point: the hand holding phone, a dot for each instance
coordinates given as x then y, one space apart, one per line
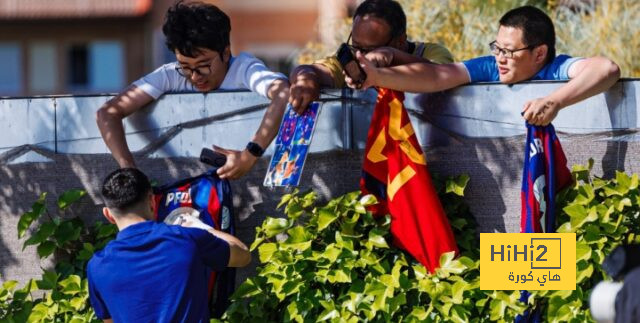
212 158
350 64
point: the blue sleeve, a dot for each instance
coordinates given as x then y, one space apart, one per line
213 251
482 69
96 299
561 66
558 69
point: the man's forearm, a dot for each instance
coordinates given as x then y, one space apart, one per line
597 76
421 77
316 72
268 129
112 131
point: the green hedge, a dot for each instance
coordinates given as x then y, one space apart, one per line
334 262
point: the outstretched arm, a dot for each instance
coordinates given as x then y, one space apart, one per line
412 77
240 162
109 118
306 81
588 76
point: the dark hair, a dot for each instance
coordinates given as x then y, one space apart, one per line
125 188
537 28
193 25
388 10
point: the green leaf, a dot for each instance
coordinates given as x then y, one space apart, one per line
368 200
43 233
71 285
258 240
326 216
457 185
49 280
497 308
9 285
37 210
39 313
583 251
582 274
338 276
285 199
633 183
576 211
457 291
46 248
376 238
266 251
248 288
274 226
449 266
419 313
68 230
298 234
331 253
69 197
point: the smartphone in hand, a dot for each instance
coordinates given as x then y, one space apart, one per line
350 64
212 158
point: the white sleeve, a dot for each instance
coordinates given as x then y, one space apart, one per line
255 75
162 80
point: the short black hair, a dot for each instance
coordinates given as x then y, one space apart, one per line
125 188
388 10
193 25
537 28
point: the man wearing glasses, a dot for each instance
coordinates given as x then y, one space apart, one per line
376 24
523 50
198 34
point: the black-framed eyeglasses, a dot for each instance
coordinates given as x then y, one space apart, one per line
508 53
365 50
203 70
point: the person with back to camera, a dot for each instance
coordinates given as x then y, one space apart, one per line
152 271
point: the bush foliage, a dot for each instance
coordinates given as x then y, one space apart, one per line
61 294
335 262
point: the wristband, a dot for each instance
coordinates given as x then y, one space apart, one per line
255 149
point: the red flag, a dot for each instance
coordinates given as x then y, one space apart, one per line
395 171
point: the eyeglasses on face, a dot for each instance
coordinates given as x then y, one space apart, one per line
507 53
365 50
202 70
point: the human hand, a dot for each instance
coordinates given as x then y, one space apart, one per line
238 163
370 70
190 221
381 57
540 111
305 89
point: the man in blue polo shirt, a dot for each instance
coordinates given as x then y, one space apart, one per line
524 49
154 272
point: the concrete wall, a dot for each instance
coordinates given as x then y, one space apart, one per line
52 144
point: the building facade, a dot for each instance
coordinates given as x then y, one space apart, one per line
99 46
